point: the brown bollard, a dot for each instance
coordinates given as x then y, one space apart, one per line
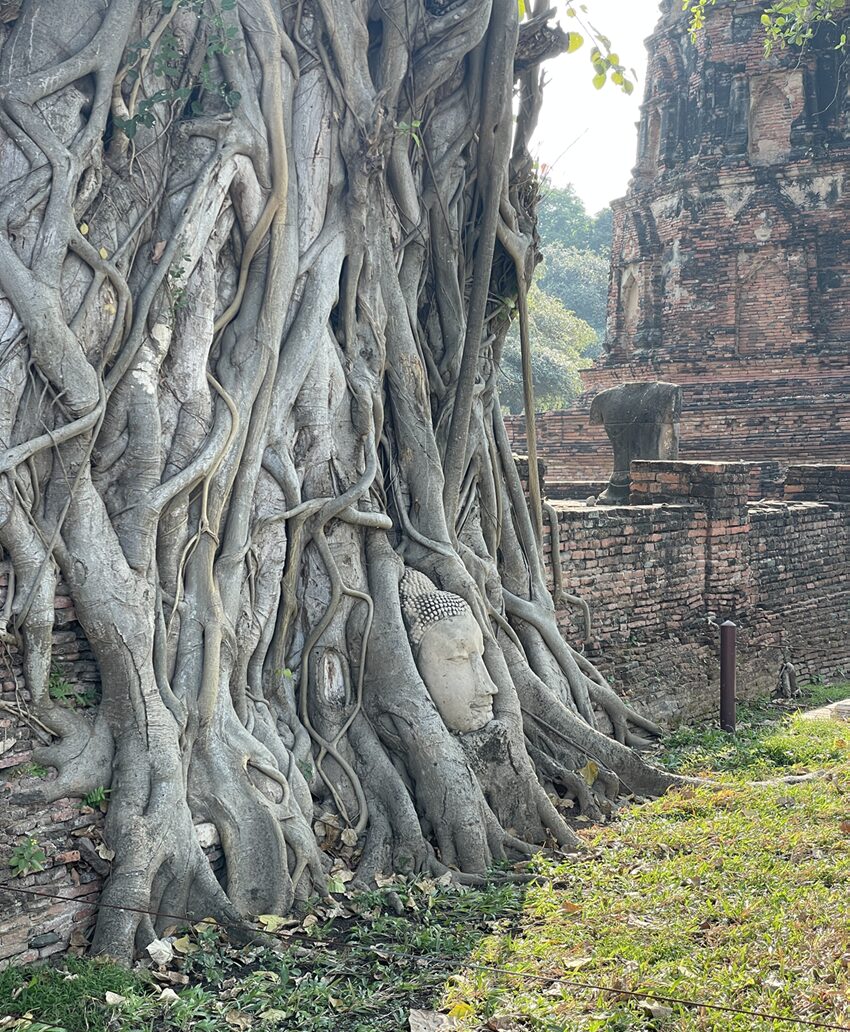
727 675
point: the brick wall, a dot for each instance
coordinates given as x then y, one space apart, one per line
34 927
693 544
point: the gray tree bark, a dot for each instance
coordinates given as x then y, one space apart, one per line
257 263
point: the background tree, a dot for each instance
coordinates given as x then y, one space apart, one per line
256 261
578 278
563 219
567 303
562 345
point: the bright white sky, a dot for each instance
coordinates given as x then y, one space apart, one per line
588 136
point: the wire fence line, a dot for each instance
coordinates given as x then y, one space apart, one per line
295 937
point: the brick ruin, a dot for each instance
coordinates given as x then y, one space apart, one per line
692 542
728 279
729 272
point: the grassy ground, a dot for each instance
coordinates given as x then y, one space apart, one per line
739 897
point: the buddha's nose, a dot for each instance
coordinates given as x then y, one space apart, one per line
489 685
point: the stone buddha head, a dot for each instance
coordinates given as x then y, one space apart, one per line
449 650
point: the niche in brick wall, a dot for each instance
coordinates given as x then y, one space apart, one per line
630 306
763 307
650 141
776 100
831 301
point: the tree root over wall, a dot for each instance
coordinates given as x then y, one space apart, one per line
257 262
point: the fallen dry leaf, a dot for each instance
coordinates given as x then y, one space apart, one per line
236 1019
430 1021
577 963
655 1010
160 951
185 945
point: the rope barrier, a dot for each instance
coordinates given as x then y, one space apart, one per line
493 969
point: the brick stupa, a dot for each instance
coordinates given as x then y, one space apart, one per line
730 270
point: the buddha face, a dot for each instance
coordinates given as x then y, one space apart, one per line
451 662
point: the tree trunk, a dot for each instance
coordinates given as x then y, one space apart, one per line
258 261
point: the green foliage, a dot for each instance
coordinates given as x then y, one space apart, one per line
97 798
560 347
67 694
579 280
177 282
794 22
567 303
26 858
71 998
606 63
786 22
168 60
29 770
411 129
762 745
564 220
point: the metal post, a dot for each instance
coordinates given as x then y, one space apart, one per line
727 675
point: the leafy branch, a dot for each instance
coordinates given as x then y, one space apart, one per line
167 61
606 62
786 22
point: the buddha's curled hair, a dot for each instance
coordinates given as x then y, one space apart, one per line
423 604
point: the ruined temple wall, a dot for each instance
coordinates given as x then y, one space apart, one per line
730 268
732 239
34 927
695 545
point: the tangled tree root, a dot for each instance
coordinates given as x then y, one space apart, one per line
257 264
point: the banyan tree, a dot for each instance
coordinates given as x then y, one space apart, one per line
257 261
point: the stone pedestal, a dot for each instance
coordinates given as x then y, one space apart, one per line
642 422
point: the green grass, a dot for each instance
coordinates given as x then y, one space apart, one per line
770 740
736 896
361 971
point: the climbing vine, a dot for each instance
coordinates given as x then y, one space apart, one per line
254 260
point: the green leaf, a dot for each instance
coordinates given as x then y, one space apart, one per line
574 41
599 80
521 5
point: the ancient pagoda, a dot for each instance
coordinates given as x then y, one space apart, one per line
730 271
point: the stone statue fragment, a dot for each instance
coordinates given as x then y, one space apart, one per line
642 422
448 647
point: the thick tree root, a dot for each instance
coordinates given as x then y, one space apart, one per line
250 378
